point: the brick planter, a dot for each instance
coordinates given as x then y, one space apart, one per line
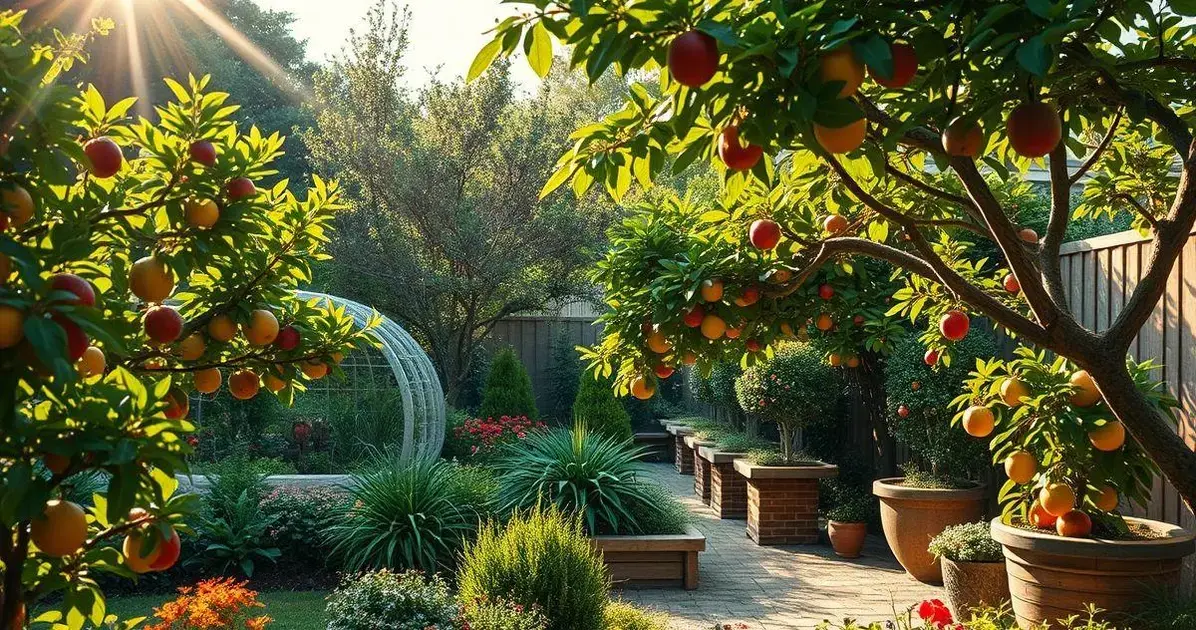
683 457
782 502
701 468
670 560
728 489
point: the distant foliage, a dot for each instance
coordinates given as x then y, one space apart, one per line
508 389
300 517
384 600
543 559
563 379
598 408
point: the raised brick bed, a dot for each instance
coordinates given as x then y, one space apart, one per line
668 561
683 457
701 468
658 444
728 488
782 502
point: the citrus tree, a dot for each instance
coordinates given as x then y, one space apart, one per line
895 126
139 262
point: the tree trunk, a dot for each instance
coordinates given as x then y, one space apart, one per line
869 380
1148 426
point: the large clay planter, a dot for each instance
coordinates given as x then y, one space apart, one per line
847 539
973 584
1052 577
912 516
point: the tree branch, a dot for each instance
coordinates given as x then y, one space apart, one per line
1100 149
1140 209
1057 225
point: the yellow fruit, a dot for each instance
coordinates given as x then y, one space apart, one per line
207 381
712 290
61 530
243 385
841 139
314 369
1108 437
92 362
1086 393
713 327
18 205
12 326
978 421
658 344
1106 500
202 213
221 328
1013 390
151 280
1020 467
133 558
262 328
274 384
642 388
192 347
1057 499
841 65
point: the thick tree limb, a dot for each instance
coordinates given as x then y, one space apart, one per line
1057 226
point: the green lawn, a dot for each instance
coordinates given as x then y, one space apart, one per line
291 610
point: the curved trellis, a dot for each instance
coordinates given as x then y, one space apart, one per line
423 409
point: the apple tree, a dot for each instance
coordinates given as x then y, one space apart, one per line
891 130
139 262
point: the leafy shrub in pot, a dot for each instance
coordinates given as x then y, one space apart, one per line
973 566
847 522
410 600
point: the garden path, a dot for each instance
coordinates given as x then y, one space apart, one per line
776 588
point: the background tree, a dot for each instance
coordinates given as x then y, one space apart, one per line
446 231
508 389
963 85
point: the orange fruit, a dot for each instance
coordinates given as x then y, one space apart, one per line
192 347
134 559
1086 393
207 381
202 213
18 205
262 328
274 384
1057 499
658 344
337 357
243 384
712 290
713 327
963 138
314 369
642 388
1020 467
56 463
834 224
834 360
12 326
151 280
221 328
841 65
841 139
61 530
92 362
852 361
978 421
1106 500
734 333
1108 437
1074 524
1041 518
1013 390
824 322
689 358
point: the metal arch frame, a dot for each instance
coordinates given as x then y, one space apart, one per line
419 387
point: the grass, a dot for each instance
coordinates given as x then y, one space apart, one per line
291 610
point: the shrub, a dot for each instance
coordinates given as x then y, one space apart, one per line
229 479
454 447
405 515
795 389
951 455
363 426
501 614
480 438
508 389
541 558
735 442
234 538
624 616
598 408
718 389
300 517
774 457
661 513
1167 611
213 603
563 378
384 600
580 472
968 542
852 507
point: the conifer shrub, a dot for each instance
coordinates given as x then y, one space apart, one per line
508 389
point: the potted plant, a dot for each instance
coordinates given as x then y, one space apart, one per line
847 524
793 390
941 491
973 567
1071 467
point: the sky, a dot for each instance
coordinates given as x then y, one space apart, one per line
444 33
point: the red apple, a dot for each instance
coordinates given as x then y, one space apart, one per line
693 317
663 371
163 324
931 357
693 58
178 403
858 320
752 345
1034 129
750 296
287 339
168 552
826 291
1011 284
84 294
905 66
240 188
103 156
903 411
736 155
76 339
764 233
204 152
954 325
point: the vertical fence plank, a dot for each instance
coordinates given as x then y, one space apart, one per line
1102 273
1187 373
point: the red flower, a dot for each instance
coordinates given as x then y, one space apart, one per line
935 613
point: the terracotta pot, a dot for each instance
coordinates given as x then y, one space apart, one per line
1052 577
847 539
912 516
973 584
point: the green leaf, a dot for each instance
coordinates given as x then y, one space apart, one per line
875 52
1035 56
1185 8
538 46
484 58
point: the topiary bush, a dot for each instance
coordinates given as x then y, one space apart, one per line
919 408
794 390
508 389
540 558
598 408
384 600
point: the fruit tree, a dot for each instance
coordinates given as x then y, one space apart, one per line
821 126
130 253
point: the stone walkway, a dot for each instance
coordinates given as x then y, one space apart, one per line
776 588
